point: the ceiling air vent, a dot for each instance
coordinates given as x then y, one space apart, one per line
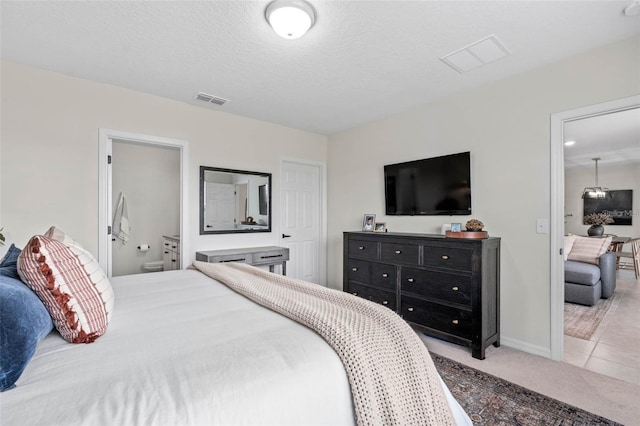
482 52
205 97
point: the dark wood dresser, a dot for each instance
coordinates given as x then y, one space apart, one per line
448 287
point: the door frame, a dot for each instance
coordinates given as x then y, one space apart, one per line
557 209
105 202
322 209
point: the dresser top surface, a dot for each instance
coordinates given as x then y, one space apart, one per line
242 250
412 235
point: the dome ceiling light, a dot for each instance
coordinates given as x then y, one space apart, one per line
290 19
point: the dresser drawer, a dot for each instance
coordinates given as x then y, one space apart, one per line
359 270
363 249
268 257
443 318
383 275
438 285
399 253
448 257
222 258
385 298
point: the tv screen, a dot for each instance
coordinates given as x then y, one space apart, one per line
432 186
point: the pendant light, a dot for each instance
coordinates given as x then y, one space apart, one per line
596 191
290 19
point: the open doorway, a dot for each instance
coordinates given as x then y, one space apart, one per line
560 123
146 209
109 198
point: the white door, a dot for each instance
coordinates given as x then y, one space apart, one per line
302 220
222 215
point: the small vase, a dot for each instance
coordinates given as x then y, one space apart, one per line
595 230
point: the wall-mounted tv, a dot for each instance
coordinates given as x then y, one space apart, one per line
619 206
432 186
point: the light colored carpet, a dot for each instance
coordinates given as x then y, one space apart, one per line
582 321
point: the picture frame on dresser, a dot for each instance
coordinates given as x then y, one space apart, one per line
368 222
380 227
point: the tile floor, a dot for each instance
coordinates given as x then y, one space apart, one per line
614 348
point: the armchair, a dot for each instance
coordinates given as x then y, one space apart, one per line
585 283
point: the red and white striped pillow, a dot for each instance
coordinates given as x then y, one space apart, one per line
70 283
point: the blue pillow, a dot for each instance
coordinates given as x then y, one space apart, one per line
24 321
9 264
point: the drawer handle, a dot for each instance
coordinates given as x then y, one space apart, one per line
355 293
385 275
455 321
360 247
410 280
354 269
398 251
445 257
454 288
410 309
385 302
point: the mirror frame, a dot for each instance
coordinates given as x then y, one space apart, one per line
204 169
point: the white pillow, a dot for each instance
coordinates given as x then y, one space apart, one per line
568 245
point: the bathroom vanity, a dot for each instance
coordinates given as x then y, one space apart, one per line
171 252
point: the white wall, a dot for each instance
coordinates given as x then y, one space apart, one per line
149 176
49 166
49 169
612 177
505 125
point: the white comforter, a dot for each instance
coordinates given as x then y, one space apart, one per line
184 349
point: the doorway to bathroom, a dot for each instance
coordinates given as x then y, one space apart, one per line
145 188
142 203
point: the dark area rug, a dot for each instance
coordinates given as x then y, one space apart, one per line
489 400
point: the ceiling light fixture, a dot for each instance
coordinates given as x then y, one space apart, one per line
290 19
569 143
596 191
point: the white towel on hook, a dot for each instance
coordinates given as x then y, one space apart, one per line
121 220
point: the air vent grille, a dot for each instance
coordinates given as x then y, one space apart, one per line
477 54
205 97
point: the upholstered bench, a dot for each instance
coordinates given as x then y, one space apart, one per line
589 271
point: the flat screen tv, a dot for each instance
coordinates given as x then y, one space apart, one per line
432 186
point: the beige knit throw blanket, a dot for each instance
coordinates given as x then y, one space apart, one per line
392 377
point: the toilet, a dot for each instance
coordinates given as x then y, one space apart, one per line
154 266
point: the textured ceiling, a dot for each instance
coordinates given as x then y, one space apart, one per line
614 138
362 60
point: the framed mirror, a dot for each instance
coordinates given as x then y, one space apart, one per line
234 201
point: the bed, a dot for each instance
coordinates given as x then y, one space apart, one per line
184 349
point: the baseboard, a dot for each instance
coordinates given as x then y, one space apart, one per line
526 347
